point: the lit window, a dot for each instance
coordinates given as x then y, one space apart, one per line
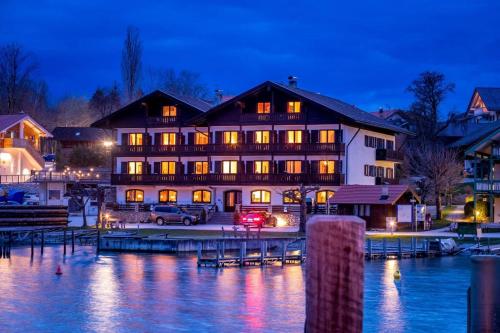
263 107
293 107
291 196
200 138
327 136
167 196
169 111
323 196
261 167
229 166
168 139
200 168
134 196
135 139
135 168
261 196
202 196
261 136
293 167
326 166
230 138
168 168
293 136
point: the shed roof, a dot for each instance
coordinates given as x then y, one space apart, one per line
80 134
370 194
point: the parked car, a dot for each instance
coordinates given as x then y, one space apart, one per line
258 219
171 214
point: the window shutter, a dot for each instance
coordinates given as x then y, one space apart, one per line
218 167
274 167
249 168
305 136
339 136
282 136
241 167
366 141
157 166
241 137
304 166
273 137
180 139
338 166
190 166
124 167
218 137
314 136
314 167
250 137
191 138
281 166
180 168
157 139
148 168
124 139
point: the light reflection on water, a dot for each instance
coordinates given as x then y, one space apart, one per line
162 293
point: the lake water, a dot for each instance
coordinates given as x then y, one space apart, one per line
162 293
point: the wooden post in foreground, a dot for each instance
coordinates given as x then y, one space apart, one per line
334 274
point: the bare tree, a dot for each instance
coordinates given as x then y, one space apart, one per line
17 87
299 195
429 90
184 83
131 62
439 169
73 111
105 101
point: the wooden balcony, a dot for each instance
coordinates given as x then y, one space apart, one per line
162 121
382 154
272 118
229 179
230 149
386 181
31 147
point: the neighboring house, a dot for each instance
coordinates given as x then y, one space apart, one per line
397 118
247 150
20 137
374 204
481 152
484 105
65 139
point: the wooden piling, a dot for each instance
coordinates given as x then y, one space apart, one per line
334 274
9 244
217 257
42 243
414 244
243 252
98 245
400 250
223 249
198 252
370 250
283 253
32 243
384 247
64 241
263 251
72 241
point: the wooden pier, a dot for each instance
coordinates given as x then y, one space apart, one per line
295 252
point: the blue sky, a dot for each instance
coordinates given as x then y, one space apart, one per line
363 52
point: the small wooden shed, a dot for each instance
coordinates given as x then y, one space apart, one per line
373 203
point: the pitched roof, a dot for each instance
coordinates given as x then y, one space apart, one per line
471 133
490 97
350 111
370 194
384 114
81 134
195 102
9 120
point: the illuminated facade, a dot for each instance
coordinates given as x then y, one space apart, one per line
247 150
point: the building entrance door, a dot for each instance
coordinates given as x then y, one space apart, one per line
231 199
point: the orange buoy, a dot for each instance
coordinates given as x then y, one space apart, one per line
58 270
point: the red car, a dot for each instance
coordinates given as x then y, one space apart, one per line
258 219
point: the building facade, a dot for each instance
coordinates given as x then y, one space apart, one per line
246 151
20 140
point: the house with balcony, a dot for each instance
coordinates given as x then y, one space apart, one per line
245 152
20 141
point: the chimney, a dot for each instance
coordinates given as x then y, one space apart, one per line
292 81
218 96
381 110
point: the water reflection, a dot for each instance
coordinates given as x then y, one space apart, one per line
161 293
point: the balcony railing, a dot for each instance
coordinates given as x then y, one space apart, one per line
246 118
30 146
230 149
229 179
487 186
382 154
162 121
386 181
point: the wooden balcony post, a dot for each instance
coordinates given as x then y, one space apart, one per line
334 274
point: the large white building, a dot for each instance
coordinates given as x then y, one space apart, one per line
248 150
